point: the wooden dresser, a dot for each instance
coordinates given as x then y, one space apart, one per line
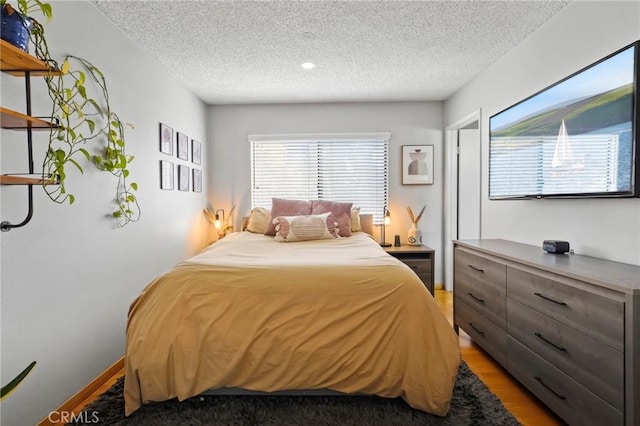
566 326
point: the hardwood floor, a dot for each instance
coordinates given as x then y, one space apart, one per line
522 404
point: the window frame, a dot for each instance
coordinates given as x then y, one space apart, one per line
383 137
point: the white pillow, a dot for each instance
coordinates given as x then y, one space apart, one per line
258 220
355 219
305 228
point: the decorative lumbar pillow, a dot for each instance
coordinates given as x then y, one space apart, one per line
356 226
342 212
283 207
305 228
258 220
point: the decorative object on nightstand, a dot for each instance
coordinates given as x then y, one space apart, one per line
414 236
387 222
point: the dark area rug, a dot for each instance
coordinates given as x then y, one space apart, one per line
472 404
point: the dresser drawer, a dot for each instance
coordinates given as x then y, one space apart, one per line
566 397
478 283
593 314
472 268
597 367
486 334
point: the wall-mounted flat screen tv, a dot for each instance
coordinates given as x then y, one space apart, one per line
576 138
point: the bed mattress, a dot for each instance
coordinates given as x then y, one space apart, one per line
252 313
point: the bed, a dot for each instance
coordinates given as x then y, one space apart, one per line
254 314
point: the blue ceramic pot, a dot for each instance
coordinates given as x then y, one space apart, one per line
15 27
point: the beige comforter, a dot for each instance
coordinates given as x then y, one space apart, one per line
252 313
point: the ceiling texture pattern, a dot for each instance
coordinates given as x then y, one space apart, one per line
247 52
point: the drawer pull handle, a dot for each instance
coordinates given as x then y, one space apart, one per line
560 348
476 298
539 379
550 299
475 268
412 266
476 328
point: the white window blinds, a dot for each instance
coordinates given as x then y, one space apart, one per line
343 168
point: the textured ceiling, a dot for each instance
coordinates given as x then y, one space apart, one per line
231 52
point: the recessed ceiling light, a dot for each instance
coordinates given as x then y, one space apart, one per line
308 65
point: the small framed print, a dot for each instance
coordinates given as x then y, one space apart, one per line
197 180
183 146
183 178
196 152
417 164
166 174
166 139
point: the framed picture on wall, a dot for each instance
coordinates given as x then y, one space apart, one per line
417 164
197 180
183 146
166 139
166 174
196 152
183 178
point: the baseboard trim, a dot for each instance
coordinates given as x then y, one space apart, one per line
84 393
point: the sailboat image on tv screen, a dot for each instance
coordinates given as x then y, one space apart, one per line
564 158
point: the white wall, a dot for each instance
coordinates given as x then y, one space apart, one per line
69 276
410 123
579 35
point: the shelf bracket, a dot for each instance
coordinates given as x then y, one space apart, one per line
7 226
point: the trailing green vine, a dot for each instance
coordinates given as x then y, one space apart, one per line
82 121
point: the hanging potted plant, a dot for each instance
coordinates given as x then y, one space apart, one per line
16 26
84 122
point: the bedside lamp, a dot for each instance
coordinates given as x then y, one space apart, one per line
217 222
387 222
217 218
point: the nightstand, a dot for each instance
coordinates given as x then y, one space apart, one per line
418 258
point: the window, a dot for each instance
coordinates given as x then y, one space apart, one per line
348 168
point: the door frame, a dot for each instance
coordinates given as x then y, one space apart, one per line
451 189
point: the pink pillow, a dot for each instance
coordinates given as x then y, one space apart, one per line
282 207
342 212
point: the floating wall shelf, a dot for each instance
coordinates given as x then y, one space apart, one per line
26 180
15 120
21 64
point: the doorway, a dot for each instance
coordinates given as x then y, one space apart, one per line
463 173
